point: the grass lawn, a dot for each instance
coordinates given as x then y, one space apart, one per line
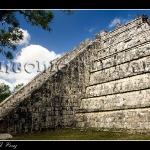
77 134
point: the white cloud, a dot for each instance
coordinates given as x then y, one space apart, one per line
7 83
118 20
114 22
124 21
91 30
28 64
26 38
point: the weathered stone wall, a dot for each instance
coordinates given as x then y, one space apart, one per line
51 99
102 84
118 94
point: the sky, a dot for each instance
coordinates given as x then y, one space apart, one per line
39 47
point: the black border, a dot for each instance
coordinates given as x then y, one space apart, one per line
75 5
64 145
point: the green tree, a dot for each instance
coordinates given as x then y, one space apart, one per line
17 87
10 33
4 91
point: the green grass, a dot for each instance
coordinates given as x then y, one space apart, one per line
76 134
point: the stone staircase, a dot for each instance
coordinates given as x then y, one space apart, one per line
13 100
102 84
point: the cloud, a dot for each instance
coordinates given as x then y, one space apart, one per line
118 20
32 60
91 30
26 38
7 83
114 22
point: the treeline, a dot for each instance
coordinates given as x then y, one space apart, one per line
6 92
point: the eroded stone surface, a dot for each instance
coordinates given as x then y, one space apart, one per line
103 83
5 136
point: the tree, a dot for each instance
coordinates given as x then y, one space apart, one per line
10 33
17 87
4 91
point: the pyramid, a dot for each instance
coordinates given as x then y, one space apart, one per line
102 84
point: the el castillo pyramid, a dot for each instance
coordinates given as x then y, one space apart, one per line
102 84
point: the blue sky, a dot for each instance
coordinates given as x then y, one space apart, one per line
67 32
